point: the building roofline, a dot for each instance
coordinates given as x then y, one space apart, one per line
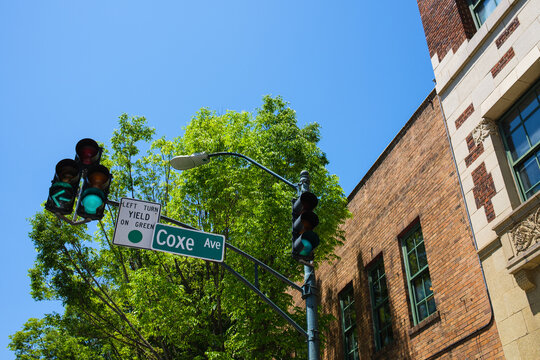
393 143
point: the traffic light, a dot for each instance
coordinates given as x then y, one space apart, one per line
97 180
94 192
304 239
87 153
63 190
67 176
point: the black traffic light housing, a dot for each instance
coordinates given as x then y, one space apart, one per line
65 185
95 188
87 153
94 193
304 220
96 180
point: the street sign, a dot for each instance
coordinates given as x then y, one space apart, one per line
135 223
192 243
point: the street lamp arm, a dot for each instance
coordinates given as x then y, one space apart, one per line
295 187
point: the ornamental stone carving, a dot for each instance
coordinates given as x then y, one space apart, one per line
527 232
485 128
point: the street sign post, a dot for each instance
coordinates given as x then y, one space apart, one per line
135 223
192 243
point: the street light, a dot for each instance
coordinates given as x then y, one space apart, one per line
184 162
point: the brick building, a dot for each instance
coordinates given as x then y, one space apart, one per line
486 59
408 283
442 253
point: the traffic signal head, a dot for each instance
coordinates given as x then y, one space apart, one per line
304 239
63 190
94 193
88 153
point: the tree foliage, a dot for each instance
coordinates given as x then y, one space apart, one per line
123 303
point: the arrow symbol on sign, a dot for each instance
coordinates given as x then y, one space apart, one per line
57 197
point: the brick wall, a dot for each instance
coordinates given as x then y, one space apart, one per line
414 179
447 23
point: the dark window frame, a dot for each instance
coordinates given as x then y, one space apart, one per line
516 163
349 327
376 278
420 297
474 6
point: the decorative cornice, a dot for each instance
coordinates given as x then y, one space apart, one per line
485 128
526 232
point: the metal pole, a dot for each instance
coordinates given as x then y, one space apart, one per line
256 164
310 293
266 299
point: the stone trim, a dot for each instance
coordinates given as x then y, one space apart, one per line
521 212
485 252
495 70
507 32
520 232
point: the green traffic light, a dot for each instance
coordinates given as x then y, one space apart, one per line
307 248
91 203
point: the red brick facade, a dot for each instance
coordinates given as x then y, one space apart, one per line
414 180
474 150
447 23
464 116
507 32
484 190
497 68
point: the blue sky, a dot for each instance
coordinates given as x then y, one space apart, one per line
68 69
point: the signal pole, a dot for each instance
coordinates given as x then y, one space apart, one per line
309 292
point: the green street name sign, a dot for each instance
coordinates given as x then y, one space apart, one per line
192 243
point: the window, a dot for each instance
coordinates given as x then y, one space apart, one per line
417 271
380 305
521 135
348 321
481 9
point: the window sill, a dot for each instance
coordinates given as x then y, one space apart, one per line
427 322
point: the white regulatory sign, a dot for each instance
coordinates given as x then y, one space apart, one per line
135 223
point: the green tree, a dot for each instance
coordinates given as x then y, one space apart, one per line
123 303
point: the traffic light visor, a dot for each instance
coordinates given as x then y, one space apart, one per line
99 177
305 222
306 202
67 171
88 152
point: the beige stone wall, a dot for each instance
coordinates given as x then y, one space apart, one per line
517 314
477 84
